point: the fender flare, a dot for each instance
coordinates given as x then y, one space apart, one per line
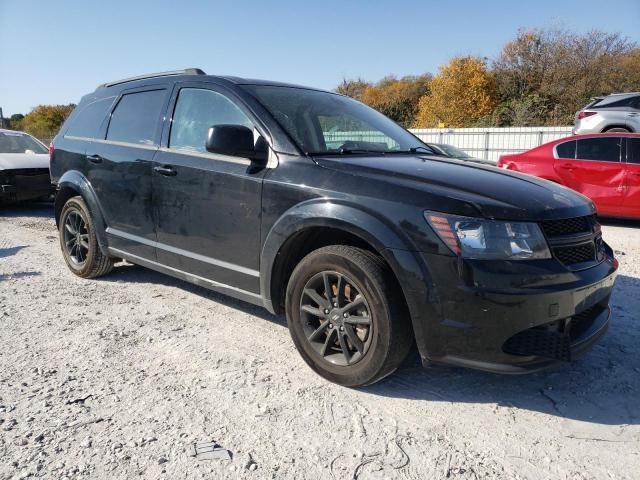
76 181
323 213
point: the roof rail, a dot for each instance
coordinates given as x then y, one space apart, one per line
186 71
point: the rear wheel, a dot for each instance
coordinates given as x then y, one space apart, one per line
79 243
617 130
347 316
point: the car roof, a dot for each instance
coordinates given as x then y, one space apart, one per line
193 74
621 94
592 135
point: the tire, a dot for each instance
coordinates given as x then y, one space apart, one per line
79 243
364 288
616 130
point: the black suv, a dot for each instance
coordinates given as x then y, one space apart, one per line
314 205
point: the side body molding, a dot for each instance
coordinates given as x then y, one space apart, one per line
78 182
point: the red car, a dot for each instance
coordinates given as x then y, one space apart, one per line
605 167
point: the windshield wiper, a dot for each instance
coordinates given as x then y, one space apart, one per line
348 151
415 150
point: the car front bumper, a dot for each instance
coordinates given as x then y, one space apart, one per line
509 317
16 186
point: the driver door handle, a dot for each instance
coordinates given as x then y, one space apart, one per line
165 170
94 158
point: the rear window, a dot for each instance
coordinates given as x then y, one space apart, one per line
566 150
19 143
135 118
87 122
616 102
606 149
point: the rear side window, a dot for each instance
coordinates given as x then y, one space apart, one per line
633 149
566 150
196 111
606 149
87 122
616 102
135 118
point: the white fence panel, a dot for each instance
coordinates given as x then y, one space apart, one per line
490 143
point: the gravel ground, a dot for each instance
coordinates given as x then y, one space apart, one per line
119 377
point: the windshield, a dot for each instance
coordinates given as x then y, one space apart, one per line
17 142
452 151
324 123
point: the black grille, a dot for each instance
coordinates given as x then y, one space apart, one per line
572 254
581 322
540 343
552 340
574 241
568 226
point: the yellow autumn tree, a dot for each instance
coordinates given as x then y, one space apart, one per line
461 93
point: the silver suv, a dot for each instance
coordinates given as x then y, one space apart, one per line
618 112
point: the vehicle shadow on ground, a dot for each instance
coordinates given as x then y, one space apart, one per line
619 222
600 387
136 274
27 209
11 251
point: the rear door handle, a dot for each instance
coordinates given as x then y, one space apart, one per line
94 158
632 114
166 171
567 166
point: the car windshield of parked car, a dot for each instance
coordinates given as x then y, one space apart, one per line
453 151
323 123
19 143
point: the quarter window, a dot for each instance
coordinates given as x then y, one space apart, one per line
135 119
566 150
606 149
633 149
89 119
196 111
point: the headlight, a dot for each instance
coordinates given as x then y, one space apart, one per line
480 238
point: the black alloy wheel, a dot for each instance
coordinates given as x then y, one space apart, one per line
336 318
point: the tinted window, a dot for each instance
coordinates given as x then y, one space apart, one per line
327 123
19 143
566 150
633 147
87 122
616 102
605 149
196 111
135 119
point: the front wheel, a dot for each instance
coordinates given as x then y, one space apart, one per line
347 315
79 243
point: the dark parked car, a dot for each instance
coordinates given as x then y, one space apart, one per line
24 168
450 151
367 245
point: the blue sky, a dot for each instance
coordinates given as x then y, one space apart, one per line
56 51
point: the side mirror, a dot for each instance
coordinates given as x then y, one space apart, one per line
237 140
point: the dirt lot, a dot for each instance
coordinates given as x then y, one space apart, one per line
118 377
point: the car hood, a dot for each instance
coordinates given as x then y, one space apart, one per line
454 185
12 161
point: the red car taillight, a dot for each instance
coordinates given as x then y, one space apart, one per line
584 114
51 150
